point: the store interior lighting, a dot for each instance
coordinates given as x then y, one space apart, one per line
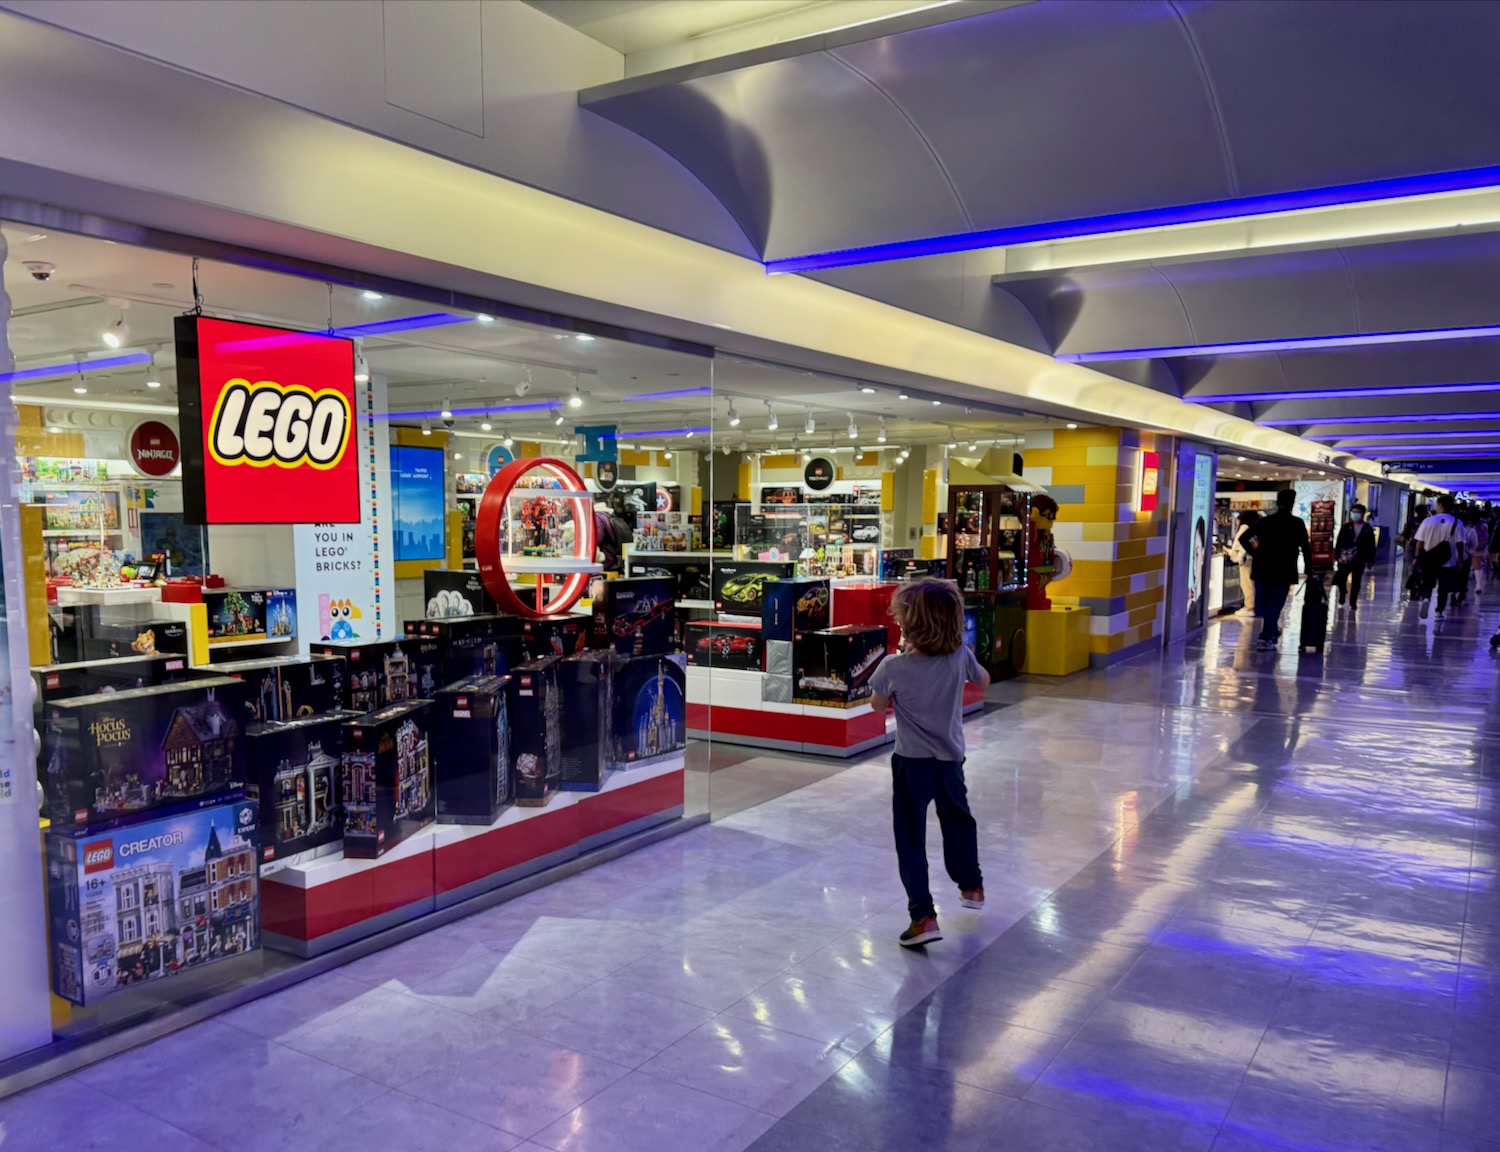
811 425
117 334
576 400
772 423
734 417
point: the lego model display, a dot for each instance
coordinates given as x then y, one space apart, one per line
288 687
294 780
151 901
691 574
91 677
536 736
636 616
792 608
381 672
739 585
238 614
650 710
121 755
473 645
724 645
555 636
471 750
387 778
586 684
455 592
834 666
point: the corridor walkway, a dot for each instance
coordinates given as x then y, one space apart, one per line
1237 901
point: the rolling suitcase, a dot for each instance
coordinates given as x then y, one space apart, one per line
1314 615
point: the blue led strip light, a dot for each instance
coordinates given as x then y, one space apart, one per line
1341 393
72 367
1291 344
1345 418
1390 189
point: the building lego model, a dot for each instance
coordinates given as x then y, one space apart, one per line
471 750
834 666
536 736
650 710
586 683
387 778
288 687
152 900
473 645
739 585
294 779
636 616
794 607
117 756
714 645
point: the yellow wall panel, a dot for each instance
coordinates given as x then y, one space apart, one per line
695 501
744 482
888 491
635 458
929 496
1085 437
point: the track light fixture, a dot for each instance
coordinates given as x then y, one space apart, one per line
881 435
734 417
116 334
811 426
771 422
853 428
559 418
426 428
575 400
506 439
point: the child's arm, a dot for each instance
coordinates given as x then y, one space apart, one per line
879 703
976 674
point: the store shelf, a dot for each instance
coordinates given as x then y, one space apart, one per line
249 642
548 565
695 604
71 597
553 493
53 533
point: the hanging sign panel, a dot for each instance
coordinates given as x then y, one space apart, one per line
267 419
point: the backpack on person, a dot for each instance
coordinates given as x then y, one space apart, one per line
1439 554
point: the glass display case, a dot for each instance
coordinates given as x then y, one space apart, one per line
988 555
824 539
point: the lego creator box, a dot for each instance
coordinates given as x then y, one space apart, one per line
739 585
381 672
456 592
586 682
387 778
155 899
289 687
536 732
723 645
146 638
474 646
555 636
650 710
235 614
792 608
121 755
834 666
294 780
636 616
691 574
471 758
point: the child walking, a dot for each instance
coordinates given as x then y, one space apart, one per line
926 682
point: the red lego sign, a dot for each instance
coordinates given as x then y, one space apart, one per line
1150 480
268 418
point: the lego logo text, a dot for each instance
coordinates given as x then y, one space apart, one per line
99 857
266 423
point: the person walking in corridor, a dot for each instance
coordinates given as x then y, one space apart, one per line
1275 542
925 681
1355 551
1439 548
1241 558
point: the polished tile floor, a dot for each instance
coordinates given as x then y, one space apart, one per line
1237 901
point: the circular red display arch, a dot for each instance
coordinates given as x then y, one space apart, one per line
487 537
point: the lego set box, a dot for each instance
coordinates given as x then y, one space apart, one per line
471 760
636 616
91 677
381 672
456 592
867 604
834 666
387 778
288 687
555 636
294 781
236 614
473 645
120 755
153 900
713 645
586 682
536 732
739 585
147 638
650 710
792 608
691 574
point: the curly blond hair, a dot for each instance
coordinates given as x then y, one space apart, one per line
930 612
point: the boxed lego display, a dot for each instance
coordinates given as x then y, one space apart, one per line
455 592
536 737
636 616
867 604
555 636
473 645
834 666
114 641
793 607
235 614
294 780
381 672
723 645
152 900
739 585
650 710
121 755
691 574
387 778
90 677
471 757
281 613
286 687
585 684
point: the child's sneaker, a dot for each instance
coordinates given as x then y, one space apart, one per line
921 932
971 897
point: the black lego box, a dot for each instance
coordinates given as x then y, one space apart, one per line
792 608
471 757
153 900
474 646
586 682
636 616
91 677
739 585
381 672
287 687
146 638
294 781
456 592
536 733
121 755
692 574
724 645
834 666
555 636
387 778
650 710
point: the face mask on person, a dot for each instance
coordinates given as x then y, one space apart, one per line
1356 516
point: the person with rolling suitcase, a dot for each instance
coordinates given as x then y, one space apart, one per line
1275 542
1314 614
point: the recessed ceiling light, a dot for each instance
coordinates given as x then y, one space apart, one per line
867 390
1071 425
483 319
584 338
372 295
1241 459
935 403
79 390
903 396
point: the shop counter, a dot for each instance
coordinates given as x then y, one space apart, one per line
1057 641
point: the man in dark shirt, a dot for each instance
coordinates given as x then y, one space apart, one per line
1275 542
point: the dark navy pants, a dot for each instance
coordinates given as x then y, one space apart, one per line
916 783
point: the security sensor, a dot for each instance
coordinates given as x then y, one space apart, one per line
39 269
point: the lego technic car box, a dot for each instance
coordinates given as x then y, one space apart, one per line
155 899
691 574
288 687
555 636
536 733
834 666
456 592
474 645
739 585
294 780
386 778
711 645
135 638
121 755
636 616
792 608
585 683
471 757
381 672
650 710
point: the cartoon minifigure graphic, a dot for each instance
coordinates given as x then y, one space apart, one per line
342 612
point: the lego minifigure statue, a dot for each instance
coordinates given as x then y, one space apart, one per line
1039 552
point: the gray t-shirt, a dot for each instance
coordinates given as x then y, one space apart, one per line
929 696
